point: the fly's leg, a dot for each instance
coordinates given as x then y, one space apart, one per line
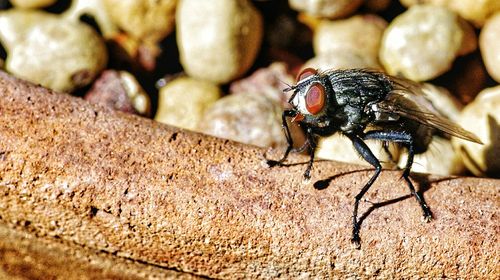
289 140
406 176
311 141
367 155
385 145
407 140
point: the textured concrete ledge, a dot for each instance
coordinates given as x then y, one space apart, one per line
79 174
23 255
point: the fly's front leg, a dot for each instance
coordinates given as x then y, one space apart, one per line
407 140
311 141
289 140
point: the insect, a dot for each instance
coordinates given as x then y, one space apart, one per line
365 104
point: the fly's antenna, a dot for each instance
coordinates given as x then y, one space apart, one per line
288 88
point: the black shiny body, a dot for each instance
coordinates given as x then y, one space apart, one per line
350 94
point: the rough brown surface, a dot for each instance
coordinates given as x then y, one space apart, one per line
24 256
102 180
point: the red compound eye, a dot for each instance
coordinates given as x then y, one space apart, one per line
306 73
315 98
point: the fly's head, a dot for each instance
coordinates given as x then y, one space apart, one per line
310 97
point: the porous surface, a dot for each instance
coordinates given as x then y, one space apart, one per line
77 174
23 255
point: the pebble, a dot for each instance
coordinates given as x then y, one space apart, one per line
489 43
342 59
423 42
56 53
119 90
339 148
360 34
219 39
147 20
326 8
472 10
482 117
96 10
247 118
31 4
16 23
183 101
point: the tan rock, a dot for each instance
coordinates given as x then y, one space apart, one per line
423 42
250 118
27 4
16 23
360 34
472 10
219 39
148 20
26 256
58 54
342 59
482 117
340 148
326 8
183 101
489 42
96 10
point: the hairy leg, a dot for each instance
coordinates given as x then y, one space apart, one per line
406 139
367 154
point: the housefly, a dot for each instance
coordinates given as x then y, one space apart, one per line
365 104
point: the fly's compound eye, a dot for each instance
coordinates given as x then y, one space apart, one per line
315 98
306 73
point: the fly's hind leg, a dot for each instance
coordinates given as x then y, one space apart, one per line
385 145
406 176
367 154
407 140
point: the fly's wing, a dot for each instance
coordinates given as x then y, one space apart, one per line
407 100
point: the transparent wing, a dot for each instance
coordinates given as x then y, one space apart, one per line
408 100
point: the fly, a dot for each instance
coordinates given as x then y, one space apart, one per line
365 104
